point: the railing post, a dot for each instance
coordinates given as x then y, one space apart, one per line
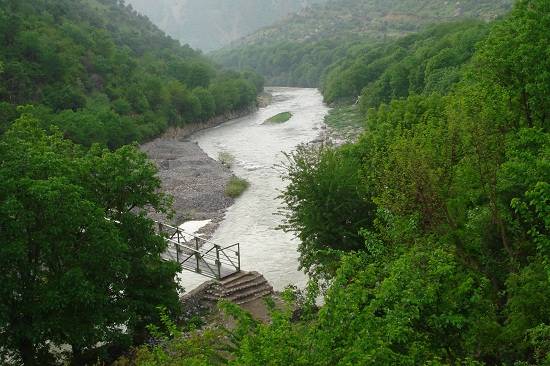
160 228
197 254
218 263
238 257
177 253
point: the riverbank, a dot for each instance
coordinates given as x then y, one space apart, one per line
196 182
184 132
344 124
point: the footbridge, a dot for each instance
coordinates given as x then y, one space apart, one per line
199 255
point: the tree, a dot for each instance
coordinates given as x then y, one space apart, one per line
69 272
515 57
123 182
208 105
8 113
325 205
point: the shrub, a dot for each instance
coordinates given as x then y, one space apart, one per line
235 187
226 159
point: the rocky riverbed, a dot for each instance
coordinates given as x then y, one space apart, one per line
196 181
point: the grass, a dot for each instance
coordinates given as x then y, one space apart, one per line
226 159
235 187
346 122
279 118
344 117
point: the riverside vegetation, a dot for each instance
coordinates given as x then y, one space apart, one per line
104 74
236 186
429 236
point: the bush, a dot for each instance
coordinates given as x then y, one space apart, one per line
226 159
235 187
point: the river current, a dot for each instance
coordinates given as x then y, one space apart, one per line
258 150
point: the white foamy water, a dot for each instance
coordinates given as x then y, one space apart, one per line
257 149
191 227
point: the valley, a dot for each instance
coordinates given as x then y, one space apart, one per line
366 182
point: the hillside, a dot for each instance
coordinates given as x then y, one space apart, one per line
211 24
102 73
297 51
423 63
373 18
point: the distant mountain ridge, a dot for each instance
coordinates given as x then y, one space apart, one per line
372 18
299 50
212 24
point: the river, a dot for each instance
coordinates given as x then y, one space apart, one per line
258 148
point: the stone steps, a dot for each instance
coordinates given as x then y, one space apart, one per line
250 295
228 281
239 288
256 282
259 295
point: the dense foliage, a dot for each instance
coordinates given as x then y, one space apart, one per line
298 51
432 231
286 63
105 74
81 263
424 63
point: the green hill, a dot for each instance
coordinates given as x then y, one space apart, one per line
423 63
103 73
297 51
373 18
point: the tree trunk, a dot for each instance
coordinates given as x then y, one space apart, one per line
77 356
27 352
526 108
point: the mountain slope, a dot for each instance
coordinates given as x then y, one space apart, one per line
373 18
102 73
211 24
299 50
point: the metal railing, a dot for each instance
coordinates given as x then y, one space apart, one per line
199 255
